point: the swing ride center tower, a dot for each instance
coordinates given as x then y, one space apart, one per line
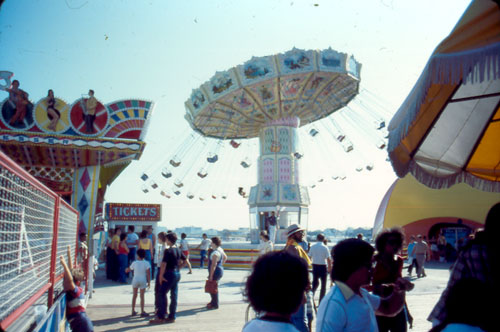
270 97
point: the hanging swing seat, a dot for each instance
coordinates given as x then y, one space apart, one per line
144 177
175 163
154 185
190 196
201 198
335 177
214 197
340 137
359 168
313 186
163 193
213 159
298 155
313 132
320 180
234 144
348 147
369 167
166 173
380 124
381 144
224 196
202 174
177 192
178 184
145 190
245 164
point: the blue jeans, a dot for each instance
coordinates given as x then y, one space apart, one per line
173 277
80 322
123 263
299 319
203 254
218 273
148 259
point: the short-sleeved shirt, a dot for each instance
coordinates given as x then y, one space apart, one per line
343 310
131 239
271 220
205 244
75 301
140 268
115 241
217 252
265 247
172 257
184 245
319 253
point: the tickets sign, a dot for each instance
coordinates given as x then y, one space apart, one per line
133 212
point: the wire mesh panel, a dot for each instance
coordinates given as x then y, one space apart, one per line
26 229
67 229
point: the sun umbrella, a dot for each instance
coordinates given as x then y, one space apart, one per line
448 129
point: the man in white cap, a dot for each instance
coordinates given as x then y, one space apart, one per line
295 235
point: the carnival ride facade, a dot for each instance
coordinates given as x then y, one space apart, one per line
273 99
81 153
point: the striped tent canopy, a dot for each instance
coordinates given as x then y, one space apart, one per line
447 130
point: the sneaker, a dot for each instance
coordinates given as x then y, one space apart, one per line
134 313
169 320
190 272
157 321
144 314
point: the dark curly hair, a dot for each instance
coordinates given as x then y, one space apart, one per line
392 234
348 256
277 283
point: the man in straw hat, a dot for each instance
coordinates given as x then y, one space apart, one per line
295 235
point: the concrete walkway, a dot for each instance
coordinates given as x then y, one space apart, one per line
110 308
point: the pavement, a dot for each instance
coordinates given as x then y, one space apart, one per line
110 305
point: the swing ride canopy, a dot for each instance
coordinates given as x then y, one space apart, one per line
238 102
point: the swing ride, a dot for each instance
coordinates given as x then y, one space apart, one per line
262 107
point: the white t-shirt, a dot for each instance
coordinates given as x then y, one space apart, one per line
259 325
140 269
205 244
265 247
347 313
184 245
160 250
217 252
319 253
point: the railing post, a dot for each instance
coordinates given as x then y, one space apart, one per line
53 254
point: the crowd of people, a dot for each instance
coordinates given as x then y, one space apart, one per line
368 288
159 259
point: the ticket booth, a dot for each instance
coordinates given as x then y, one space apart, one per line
142 216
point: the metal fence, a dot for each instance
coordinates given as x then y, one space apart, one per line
36 226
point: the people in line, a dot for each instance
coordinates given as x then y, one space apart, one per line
421 253
115 244
348 306
203 246
109 255
295 235
412 260
388 269
478 260
321 265
217 258
173 261
123 258
160 251
146 244
152 237
132 242
141 279
185 250
275 289
75 297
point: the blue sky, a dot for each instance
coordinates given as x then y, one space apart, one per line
161 50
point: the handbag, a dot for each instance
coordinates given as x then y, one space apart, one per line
211 286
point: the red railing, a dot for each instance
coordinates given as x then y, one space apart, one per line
36 226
